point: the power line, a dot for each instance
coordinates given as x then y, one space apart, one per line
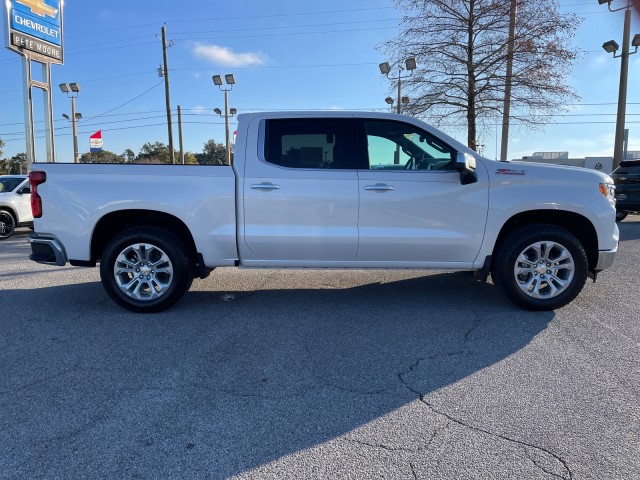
224 19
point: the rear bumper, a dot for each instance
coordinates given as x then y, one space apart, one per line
47 249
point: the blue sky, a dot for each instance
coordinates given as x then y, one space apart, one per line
285 54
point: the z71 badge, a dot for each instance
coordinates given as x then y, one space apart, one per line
508 171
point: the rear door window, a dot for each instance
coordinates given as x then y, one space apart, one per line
310 143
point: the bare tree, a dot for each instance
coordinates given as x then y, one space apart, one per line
461 46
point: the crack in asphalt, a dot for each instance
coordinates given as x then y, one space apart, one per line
484 431
413 471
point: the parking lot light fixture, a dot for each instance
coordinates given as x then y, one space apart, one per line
385 68
410 63
217 80
611 46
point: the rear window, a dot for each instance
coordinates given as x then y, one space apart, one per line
309 143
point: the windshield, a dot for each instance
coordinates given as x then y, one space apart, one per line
10 183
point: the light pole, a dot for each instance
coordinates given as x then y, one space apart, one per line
72 90
612 47
385 69
230 80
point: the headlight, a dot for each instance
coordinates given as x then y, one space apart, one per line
608 190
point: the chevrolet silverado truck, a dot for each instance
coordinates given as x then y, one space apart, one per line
328 190
15 204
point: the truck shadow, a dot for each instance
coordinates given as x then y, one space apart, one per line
236 379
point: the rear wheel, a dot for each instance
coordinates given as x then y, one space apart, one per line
540 267
7 224
620 215
146 269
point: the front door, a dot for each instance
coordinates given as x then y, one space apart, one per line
413 207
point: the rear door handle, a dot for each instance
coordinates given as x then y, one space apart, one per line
265 186
380 187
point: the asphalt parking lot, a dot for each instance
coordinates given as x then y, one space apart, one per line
318 374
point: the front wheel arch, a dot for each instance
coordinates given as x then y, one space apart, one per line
580 226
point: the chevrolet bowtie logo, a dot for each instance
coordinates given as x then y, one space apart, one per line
39 8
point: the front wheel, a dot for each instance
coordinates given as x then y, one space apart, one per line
540 267
7 224
146 269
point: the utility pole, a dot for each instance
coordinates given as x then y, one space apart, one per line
166 90
180 134
506 111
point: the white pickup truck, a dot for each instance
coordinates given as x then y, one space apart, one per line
328 190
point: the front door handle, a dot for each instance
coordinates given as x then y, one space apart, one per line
265 186
380 187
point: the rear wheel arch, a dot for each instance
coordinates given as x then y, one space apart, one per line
114 223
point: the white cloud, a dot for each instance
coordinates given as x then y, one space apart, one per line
225 57
199 110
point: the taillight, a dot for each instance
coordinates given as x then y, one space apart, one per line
35 179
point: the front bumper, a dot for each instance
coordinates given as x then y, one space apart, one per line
605 259
47 249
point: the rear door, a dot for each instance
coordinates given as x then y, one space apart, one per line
301 193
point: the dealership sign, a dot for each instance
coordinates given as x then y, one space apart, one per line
34 28
96 142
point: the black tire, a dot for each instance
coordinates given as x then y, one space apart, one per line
138 253
7 224
621 215
547 282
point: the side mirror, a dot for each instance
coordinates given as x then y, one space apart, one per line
466 165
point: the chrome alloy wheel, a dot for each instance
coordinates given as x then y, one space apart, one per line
544 269
143 271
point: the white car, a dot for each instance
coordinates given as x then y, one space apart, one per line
15 204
